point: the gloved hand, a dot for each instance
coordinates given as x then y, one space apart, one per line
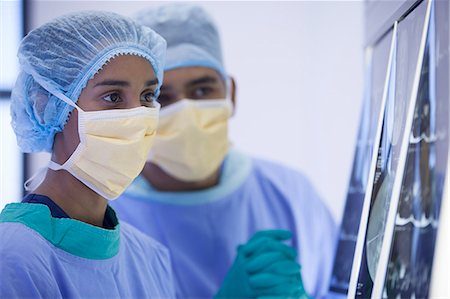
264 268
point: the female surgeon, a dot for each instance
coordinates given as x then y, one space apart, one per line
86 94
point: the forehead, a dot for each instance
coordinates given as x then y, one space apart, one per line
127 67
181 77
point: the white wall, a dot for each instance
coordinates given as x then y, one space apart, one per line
298 66
10 156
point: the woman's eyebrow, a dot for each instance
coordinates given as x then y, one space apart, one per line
123 83
112 83
151 82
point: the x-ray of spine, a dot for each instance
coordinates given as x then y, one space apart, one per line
416 223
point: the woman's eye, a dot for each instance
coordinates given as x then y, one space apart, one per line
112 98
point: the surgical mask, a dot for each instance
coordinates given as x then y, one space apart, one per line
192 138
113 148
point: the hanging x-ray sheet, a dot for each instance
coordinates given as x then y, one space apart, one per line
377 64
359 249
399 91
417 217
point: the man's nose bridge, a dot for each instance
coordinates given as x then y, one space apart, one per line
180 94
179 97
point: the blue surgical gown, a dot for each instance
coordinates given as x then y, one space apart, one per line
46 257
203 228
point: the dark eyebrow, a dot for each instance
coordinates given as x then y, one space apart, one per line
123 83
112 83
202 80
151 82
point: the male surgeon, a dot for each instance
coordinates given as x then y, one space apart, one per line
233 224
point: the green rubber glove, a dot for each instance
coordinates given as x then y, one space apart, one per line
264 267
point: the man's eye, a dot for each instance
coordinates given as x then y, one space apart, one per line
112 98
201 92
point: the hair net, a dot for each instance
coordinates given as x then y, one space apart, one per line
191 35
61 57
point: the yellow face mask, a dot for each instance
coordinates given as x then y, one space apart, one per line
192 138
114 146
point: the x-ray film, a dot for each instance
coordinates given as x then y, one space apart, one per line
375 77
387 91
417 218
392 143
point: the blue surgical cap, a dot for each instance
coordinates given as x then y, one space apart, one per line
191 35
61 56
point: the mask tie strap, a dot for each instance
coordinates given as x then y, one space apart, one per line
55 92
65 99
54 166
35 180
